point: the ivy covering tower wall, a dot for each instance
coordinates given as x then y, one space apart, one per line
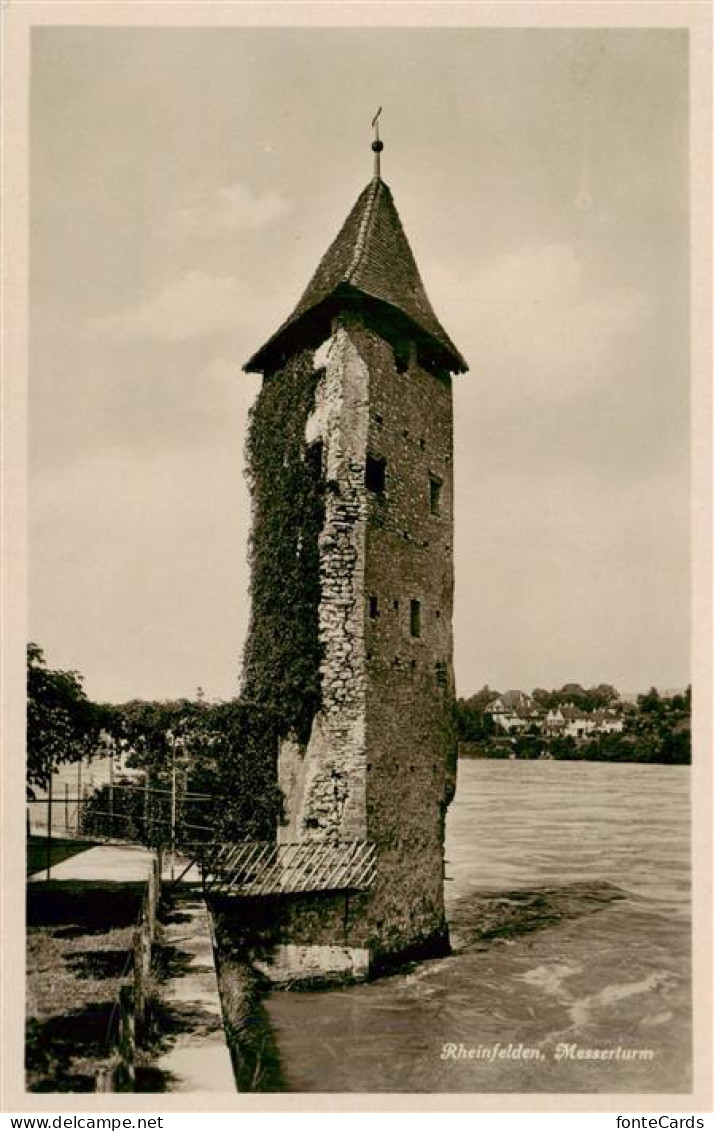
281 668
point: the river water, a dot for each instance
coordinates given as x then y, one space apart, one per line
568 902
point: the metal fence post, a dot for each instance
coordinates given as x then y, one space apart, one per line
49 827
79 795
127 1035
173 808
111 796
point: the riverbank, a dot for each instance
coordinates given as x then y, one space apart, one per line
122 993
614 748
79 955
251 1041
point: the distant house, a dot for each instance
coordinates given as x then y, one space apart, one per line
554 723
515 712
609 722
578 724
571 722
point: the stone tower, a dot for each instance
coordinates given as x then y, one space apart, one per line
380 762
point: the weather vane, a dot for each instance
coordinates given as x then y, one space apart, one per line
377 145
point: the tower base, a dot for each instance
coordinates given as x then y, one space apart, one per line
313 966
321 939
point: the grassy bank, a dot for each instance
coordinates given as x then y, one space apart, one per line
36 856
79 952
251 1041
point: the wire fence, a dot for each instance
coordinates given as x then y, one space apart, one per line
159 817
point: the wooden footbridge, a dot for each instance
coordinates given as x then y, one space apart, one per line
265 868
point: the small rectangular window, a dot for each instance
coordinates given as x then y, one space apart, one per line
415 617
402 355
373 608
313 458
375 474
435 485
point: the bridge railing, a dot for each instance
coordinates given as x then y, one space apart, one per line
263 868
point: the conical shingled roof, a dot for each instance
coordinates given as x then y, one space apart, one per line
369 263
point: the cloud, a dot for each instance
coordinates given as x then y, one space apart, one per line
540 325
192 306
230 208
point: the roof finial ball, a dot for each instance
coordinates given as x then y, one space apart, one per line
377 145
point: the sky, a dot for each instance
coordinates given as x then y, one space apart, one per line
184 184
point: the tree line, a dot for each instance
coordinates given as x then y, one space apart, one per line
224 751
228 751
657 728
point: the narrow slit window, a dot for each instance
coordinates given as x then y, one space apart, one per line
375 475
402 351
415 617
373 608
313 458
435 486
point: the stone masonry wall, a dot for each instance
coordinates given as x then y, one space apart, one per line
381 762
411 748
324 784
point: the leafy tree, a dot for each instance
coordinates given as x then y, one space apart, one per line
236 756
543 698
528 747
573 693
226 753
563 748
663 726
677 746
62 723
154 730
651 703
603 695
472 723
469 721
